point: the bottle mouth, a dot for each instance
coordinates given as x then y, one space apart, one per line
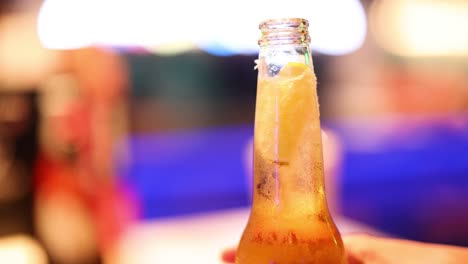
284 31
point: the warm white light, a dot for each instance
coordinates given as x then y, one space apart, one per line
21 249
65 24
71 24
421 28
337 26
23 61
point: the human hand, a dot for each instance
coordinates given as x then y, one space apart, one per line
365 249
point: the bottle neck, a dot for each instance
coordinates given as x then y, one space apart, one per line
288 160
283 41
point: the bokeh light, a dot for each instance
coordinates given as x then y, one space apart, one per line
338 27
421 28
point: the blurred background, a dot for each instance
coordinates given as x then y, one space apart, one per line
117 115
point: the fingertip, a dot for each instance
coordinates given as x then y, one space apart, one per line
229 256
354 260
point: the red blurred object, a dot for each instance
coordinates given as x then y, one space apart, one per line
113 207
81 169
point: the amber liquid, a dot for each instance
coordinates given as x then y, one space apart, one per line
289 222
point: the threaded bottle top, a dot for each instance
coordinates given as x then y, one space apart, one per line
284 31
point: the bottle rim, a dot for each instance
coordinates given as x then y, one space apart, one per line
284 31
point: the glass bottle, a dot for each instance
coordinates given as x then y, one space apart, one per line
289 221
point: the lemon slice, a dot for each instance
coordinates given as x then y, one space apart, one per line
285 106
